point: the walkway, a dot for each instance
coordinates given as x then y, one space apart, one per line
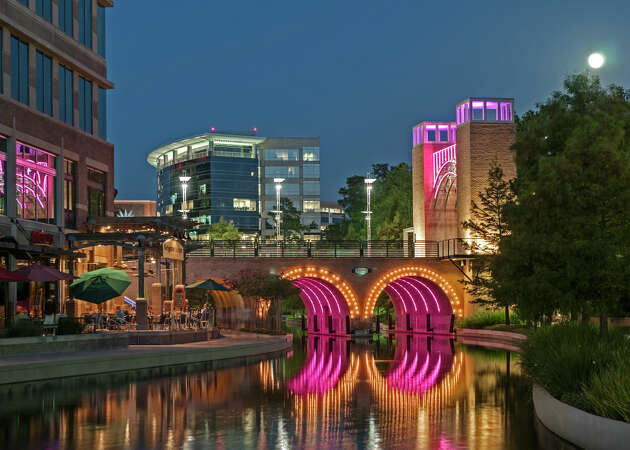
234 346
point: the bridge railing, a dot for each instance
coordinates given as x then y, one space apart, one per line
316 249
462 248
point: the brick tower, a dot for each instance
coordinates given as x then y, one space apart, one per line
450 162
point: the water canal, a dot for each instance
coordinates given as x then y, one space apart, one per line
326 393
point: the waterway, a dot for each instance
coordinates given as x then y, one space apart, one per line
410 392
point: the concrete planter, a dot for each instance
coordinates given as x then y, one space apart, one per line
579 427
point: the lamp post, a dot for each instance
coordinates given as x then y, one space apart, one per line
184 180
369 182
278 210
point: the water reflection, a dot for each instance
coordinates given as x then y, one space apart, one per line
428 393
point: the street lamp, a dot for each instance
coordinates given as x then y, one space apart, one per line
184 180
369 182
278 211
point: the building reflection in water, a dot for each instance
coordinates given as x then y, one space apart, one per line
430 394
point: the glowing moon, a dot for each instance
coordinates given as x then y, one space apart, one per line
596 60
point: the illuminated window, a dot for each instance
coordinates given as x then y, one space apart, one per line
244 204
491 111
282 172
281 155
311 206
310 154
35 184
477 111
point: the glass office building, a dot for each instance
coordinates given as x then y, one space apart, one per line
231 177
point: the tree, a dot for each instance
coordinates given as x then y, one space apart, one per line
291 222
224 231
569 245
488 226
392 201
264 286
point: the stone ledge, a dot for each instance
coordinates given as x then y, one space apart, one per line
579 427
489 338
62 343
141 357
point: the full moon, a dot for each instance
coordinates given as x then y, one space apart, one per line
596 60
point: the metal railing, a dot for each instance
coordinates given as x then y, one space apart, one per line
316 249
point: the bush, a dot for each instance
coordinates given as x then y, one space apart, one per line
69 325
578 367
484 319
25 328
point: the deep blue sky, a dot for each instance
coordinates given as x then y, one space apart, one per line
358 74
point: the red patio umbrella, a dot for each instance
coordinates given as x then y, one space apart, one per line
7 275
38 272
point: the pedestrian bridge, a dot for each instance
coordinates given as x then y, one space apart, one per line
340 282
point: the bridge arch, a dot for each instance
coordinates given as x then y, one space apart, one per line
422 299
329 300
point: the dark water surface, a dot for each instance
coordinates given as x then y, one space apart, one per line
327 393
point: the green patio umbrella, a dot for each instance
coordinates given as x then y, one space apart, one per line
100 285
209 285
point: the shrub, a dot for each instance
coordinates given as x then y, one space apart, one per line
69 325
25 328
578 367
484 319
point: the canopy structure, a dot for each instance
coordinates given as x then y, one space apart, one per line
38 272
7 275
100 285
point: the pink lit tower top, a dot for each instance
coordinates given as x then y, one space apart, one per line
450 162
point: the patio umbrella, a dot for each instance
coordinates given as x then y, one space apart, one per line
38 272
7 275
100 285
208 285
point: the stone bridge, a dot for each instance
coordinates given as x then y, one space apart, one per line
340 293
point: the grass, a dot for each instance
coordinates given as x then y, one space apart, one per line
485 319
578 367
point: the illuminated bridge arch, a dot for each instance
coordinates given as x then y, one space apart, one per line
423 300
330 302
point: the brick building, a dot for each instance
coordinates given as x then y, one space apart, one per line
450 162
56 165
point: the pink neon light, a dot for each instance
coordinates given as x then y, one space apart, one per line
314 294
428 288
398 296
323 369
443 127
430 127
396 282
439 183
477 105
323 296
415 288
295 283
335 296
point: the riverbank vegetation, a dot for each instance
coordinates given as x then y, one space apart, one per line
577 366
486 319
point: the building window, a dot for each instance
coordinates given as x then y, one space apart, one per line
477 111
102 113
430 135
66 105
282 155
311 187
100 30
97 181
69 198
282 171
310 154
311 206
85 23
65 16
310 171
491 110
287 189
43 82
444 135
44 9
244 204
35 184
85 105
19 70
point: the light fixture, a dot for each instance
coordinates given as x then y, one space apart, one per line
184 180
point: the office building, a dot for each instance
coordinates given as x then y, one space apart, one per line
232 177
331 213
56 165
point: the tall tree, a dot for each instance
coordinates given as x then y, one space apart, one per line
488 226
392 201
291 225
224 231
569 245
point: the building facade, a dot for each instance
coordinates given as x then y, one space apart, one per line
331 213
232 177
56 165
450 162
134 208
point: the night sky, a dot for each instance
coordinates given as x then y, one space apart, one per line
358 74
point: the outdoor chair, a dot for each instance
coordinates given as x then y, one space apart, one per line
49 325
